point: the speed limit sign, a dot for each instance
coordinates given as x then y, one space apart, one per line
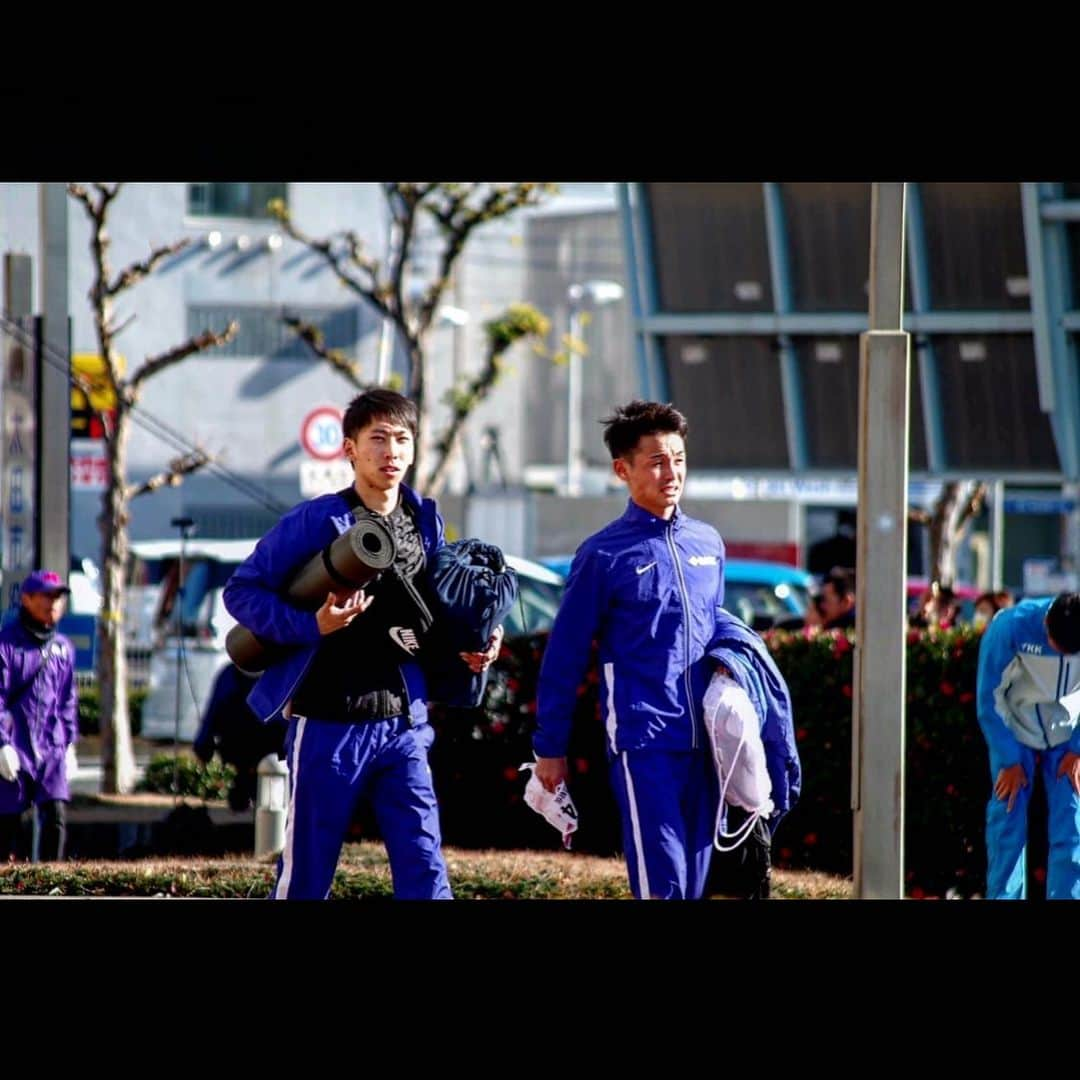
320 433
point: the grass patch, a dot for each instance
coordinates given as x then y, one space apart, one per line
364 874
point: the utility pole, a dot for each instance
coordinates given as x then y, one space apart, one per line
52 540
878 712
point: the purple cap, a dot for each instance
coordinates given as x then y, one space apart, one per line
44 581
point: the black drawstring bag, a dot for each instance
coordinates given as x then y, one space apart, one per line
473 590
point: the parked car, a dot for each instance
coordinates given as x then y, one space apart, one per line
186 646
761 593
199 654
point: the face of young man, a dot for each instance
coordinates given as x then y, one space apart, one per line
381 454
832 604
46 608
655 472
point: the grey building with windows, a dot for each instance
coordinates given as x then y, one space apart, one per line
748 299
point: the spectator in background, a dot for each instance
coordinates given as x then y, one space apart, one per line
938 606
838 599
835 550
989 604
39 716
236 733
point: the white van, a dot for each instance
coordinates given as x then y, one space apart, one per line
182 646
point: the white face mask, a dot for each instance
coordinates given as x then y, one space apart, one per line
980 619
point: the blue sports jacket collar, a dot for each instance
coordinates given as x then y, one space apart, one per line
638 515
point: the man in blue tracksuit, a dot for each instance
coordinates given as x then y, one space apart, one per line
1028 702
350 685
648 587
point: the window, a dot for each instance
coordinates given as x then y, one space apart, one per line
975 247
711 247
728 388
990 395
829 369
262 332
233 200
828 229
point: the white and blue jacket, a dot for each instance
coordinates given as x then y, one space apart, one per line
1027 692
254 595
649 590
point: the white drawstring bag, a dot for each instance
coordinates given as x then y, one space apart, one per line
557 808
739 755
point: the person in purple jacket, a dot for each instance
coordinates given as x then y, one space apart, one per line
39 716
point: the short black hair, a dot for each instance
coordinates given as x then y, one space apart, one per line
1063 621
379 404
626 427
842 579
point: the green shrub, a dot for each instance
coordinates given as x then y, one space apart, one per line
210 781
947 777
90 709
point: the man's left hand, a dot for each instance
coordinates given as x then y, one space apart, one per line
480 661
1070 767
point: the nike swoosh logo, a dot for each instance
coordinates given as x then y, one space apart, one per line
642 569
406 638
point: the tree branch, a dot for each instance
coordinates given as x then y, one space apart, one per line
78 191
312 336
518 322
973 505
208 339
337 260
171 477
137 271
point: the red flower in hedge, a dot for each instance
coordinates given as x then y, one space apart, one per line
947 688
581 764
917 893
801 734
1039 874
913 636
810 839
966 697
846 690
950 789
785 853
512 685
510 773
841 645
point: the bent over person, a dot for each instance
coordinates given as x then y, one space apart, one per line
1028 700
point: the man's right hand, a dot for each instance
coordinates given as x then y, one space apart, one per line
551 771
1008 784
333 616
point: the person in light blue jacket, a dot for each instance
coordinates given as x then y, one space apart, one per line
1028 701
648 587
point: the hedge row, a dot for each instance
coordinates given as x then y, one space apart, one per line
476 756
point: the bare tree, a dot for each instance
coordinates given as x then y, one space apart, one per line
117 756
517 323
959 503
457 210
